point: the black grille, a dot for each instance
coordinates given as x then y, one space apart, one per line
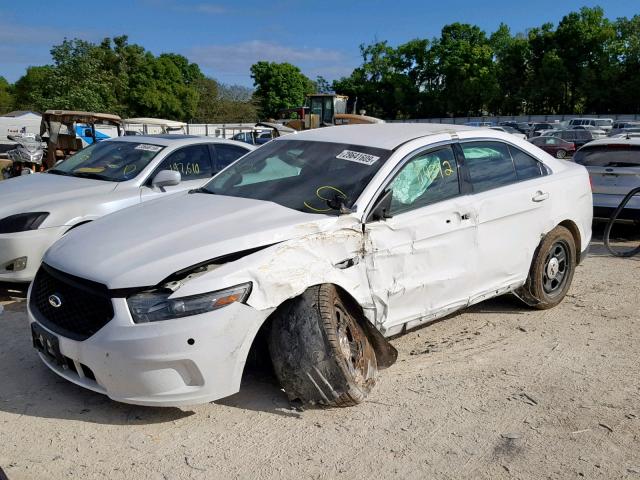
85 306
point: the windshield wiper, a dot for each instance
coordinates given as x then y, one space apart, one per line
337 203
201 190
94 176
58 172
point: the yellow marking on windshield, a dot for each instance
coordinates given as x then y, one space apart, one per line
318 190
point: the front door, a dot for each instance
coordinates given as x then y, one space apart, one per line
420 261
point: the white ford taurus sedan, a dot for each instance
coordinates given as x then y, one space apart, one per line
326 243
36 210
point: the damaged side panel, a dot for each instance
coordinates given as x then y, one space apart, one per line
285 270
420 263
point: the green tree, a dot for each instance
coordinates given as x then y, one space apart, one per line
467 70
322 85
33 90
6 96
626 88
279 85
511 55
584 42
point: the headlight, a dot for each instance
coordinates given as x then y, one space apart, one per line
22 222
154 306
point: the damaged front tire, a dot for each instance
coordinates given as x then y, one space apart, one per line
320 353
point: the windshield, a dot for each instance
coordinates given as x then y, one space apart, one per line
609 156
312 177
113 161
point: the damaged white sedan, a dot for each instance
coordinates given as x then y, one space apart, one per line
327 242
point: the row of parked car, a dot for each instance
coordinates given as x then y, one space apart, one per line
158 279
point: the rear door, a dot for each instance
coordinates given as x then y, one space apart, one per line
195 167
511 202
224 155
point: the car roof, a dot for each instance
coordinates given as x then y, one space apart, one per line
635 141
387 136
167 140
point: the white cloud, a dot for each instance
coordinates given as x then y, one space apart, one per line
179 6
208 8
235 60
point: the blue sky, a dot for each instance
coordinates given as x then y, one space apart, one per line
225 38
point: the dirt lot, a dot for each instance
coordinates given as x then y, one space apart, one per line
495 392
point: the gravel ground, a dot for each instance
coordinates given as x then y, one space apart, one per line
497 391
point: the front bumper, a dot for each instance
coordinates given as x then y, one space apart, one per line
31 244
177 362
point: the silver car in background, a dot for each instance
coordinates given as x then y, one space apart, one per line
36 210
614 169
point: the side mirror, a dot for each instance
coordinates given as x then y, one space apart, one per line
87 132
166 178
382 207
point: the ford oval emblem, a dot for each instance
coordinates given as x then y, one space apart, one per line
55 301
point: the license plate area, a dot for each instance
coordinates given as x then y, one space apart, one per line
47 344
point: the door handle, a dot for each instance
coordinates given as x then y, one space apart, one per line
540 196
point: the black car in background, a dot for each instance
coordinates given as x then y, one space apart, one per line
535 129
519 126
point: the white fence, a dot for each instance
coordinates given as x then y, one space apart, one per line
517 118
220 130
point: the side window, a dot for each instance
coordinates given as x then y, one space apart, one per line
192 162
428 178
489 164
527 167
227 154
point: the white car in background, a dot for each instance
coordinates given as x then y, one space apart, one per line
327 242
36 210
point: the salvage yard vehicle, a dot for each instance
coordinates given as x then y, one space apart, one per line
327 243
555 146
36 210
59 127
577 137
614 167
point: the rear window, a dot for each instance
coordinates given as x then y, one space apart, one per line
609 156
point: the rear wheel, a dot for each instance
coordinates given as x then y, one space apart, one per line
552 270
561 153
320 353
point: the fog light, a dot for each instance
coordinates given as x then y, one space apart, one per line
16 265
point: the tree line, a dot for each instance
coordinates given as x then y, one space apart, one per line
117 77
585 64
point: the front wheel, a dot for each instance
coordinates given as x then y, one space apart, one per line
552 270
561 153
320 353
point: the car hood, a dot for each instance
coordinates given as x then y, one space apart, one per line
33 193
142 245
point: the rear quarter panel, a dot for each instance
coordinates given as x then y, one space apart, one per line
571 197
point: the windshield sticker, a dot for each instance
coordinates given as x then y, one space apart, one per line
148 148
358 157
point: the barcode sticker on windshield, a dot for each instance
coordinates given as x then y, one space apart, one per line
358 157
148 148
